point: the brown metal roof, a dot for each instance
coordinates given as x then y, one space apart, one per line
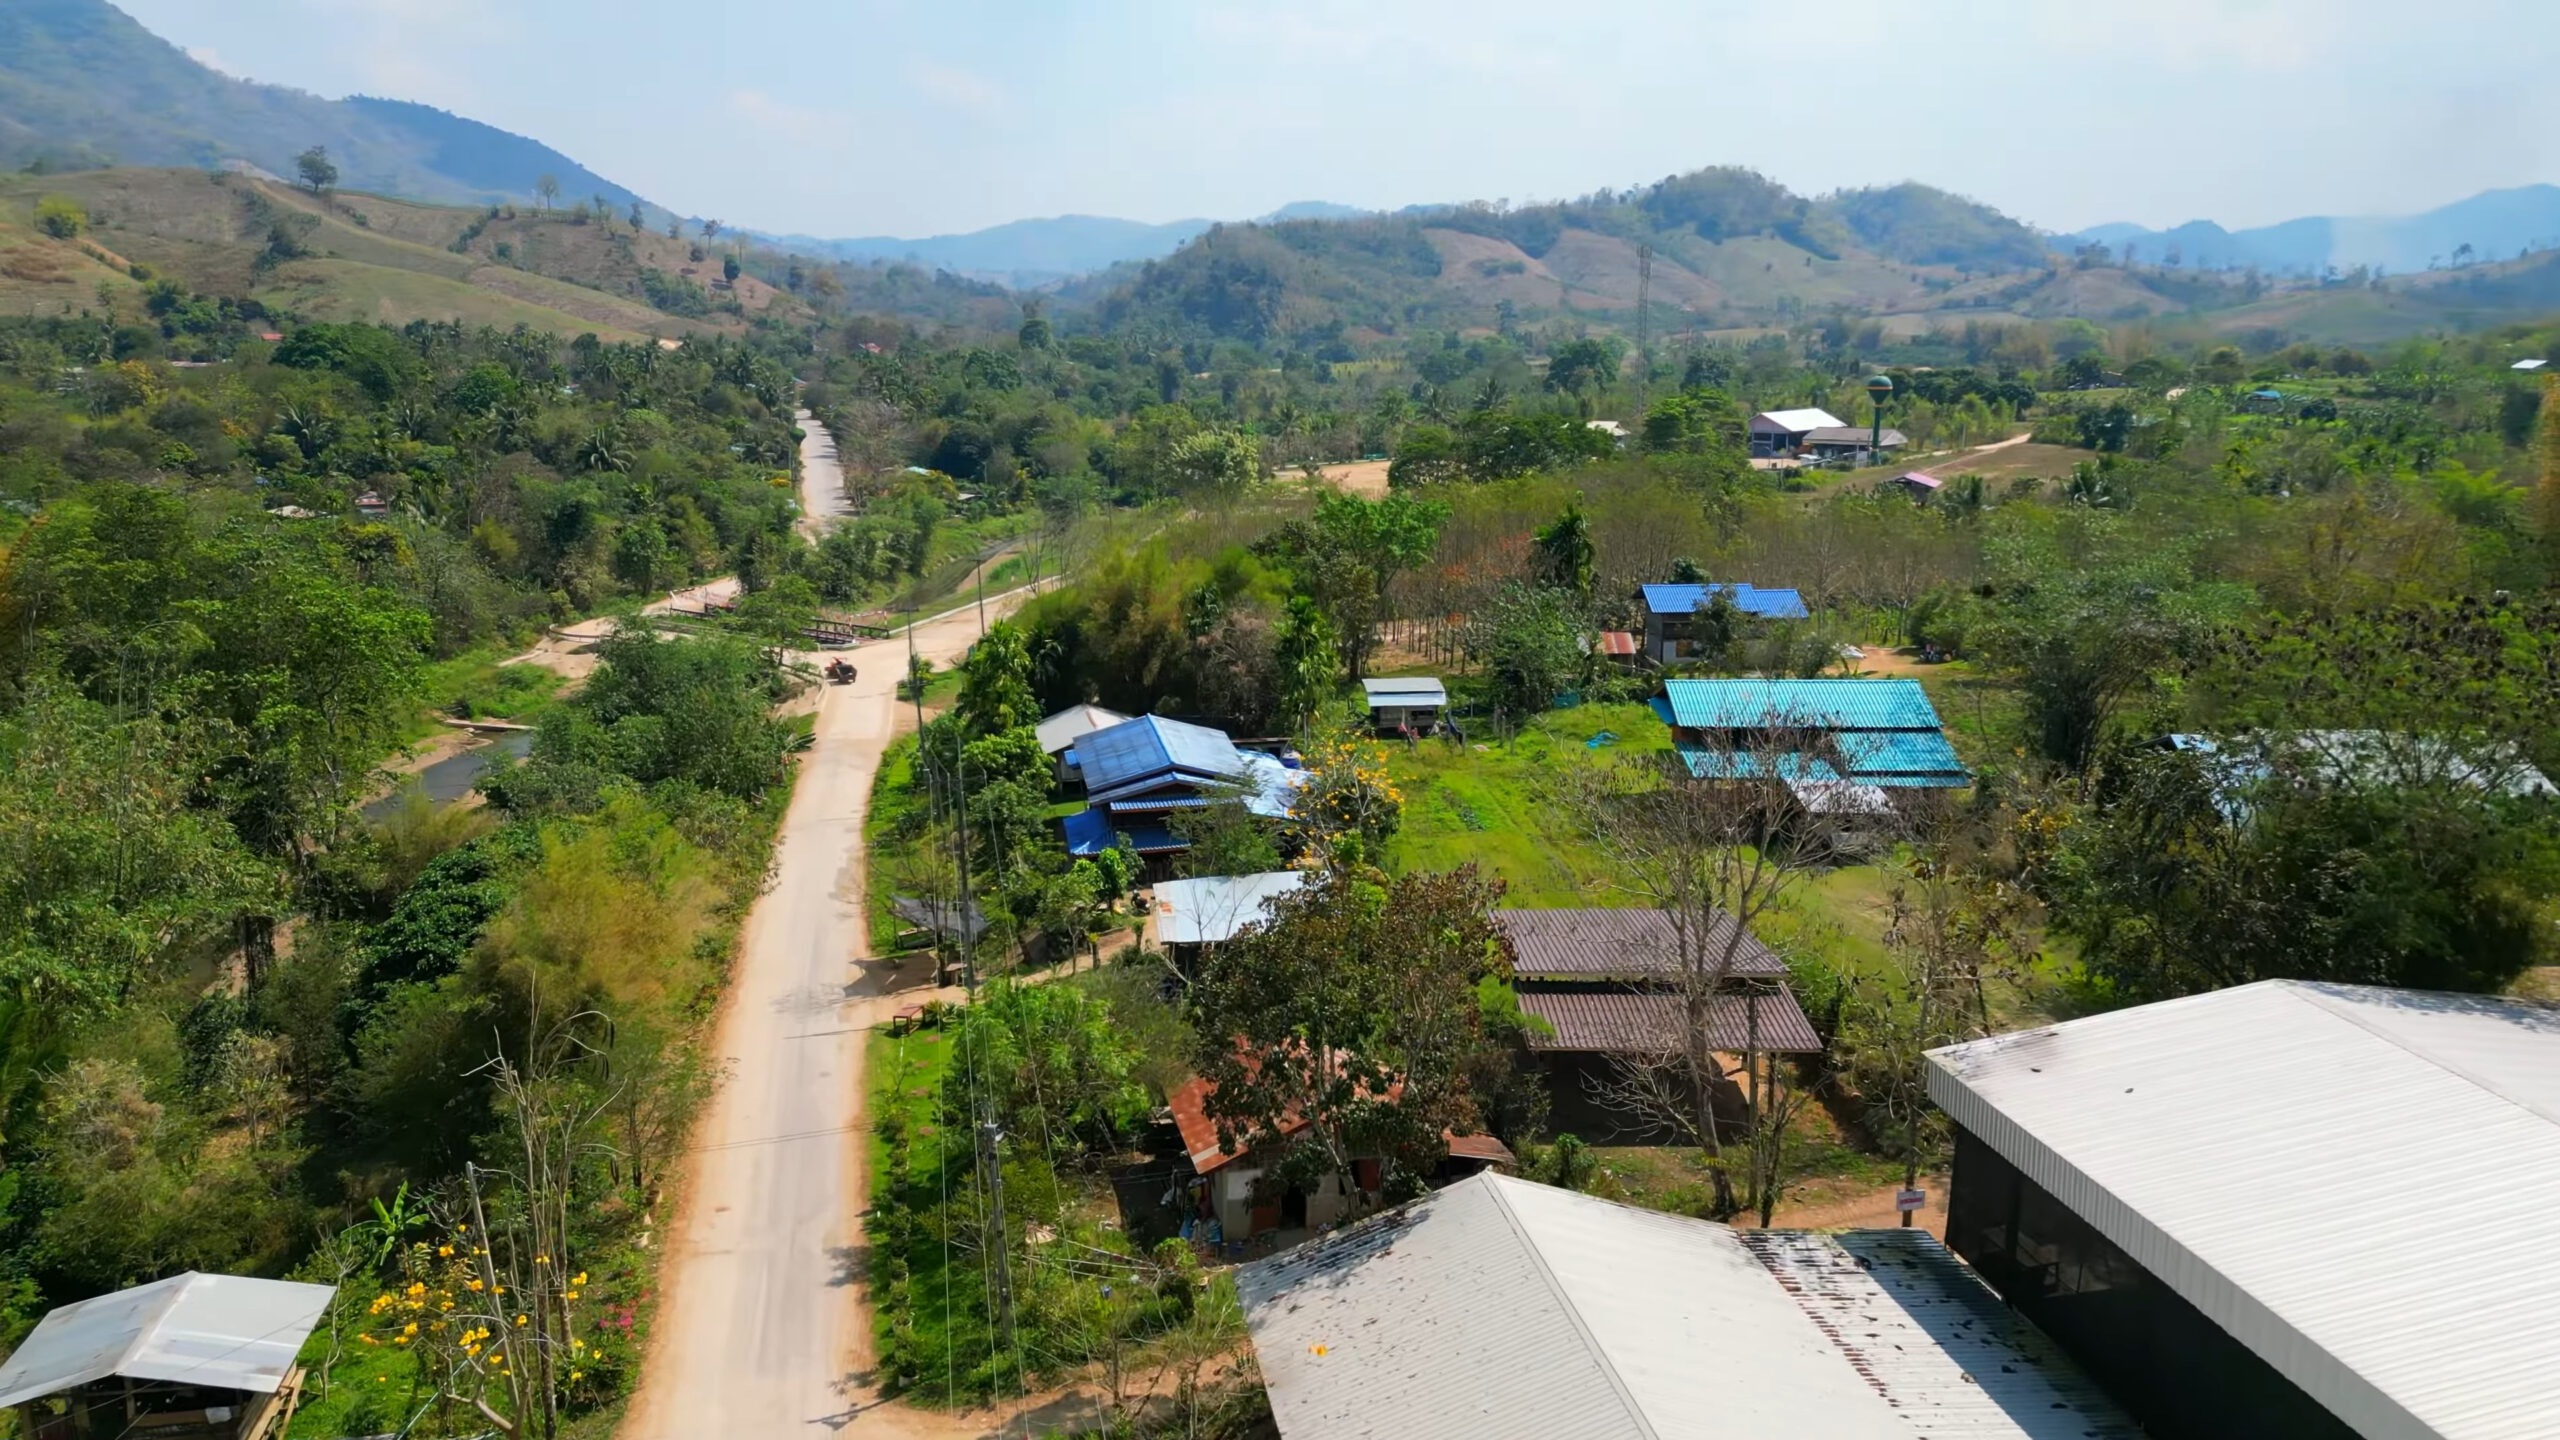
1628 1022
1620 944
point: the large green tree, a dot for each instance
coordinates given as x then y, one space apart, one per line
1348 1025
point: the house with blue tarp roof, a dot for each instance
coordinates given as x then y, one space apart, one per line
1141 772
1670 611
1881 733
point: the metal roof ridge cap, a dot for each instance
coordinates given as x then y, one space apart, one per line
2318 995
152 1319
1572 1313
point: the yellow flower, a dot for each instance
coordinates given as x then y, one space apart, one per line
520 1319
444 1250
399 1339
579 1279
577 1374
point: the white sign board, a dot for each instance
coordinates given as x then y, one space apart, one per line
1910 1199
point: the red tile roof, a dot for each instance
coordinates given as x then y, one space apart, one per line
1617 642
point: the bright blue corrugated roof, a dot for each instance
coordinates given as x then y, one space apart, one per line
1151 745
1891 759
1837 704
1879 757
1682 599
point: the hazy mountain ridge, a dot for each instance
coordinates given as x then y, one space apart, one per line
1029 254
2495 224
83 84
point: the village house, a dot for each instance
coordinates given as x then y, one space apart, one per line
1224 1184
1059 733
1671 611
192 1357
1140 772
1781 433
2183 1196
1190 916
1500 1309
1856 444
1608 984
1412 702
1881 733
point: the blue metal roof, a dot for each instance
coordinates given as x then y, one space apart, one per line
1837 704
1883 757
1683 599
1892 759
1152 745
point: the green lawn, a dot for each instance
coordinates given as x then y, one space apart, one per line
1491 803
479 684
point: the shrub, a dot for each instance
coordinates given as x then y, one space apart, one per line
60 216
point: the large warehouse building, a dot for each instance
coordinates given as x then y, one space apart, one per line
2320 1212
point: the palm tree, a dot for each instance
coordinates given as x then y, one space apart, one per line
603 450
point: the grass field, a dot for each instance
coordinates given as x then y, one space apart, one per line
479 684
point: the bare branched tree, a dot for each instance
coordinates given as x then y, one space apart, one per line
1954 929
1712 838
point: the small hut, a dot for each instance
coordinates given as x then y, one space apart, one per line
192 1357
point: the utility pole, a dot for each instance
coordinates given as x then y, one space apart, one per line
968 932
1644 324
1000 1273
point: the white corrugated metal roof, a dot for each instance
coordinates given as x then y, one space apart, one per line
1212 908
1405 690
1934 1340
225 1331
1498 1309
1073 724
1796 422
2361 1185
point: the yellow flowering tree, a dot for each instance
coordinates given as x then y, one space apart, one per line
1347 793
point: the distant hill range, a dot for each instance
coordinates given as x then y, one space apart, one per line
2493 225
83 85
1030 254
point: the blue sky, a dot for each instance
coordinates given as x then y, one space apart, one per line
856 117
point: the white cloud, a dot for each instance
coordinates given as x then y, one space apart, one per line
951 85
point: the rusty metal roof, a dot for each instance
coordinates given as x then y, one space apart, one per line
1622 944
1627 1022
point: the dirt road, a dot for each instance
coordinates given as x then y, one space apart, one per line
761 1331
822 497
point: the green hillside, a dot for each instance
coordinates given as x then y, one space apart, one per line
82 84
350 256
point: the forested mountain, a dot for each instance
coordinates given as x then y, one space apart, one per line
1728 248
2495 224
82 84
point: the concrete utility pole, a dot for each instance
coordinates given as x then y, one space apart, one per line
1000 1273
1644 325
